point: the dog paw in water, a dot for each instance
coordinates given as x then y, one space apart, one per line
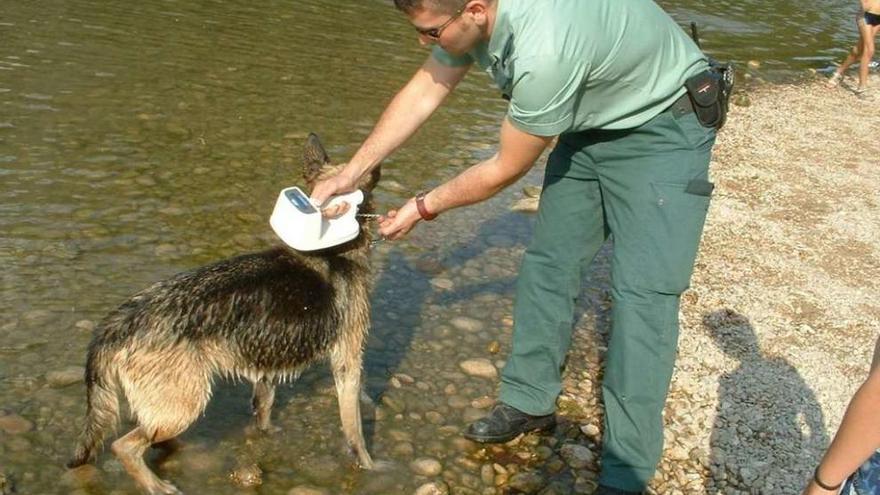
256 430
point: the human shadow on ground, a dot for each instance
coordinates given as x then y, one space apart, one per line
768 420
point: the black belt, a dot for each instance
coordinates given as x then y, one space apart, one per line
681 106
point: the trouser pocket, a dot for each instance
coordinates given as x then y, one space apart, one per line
680 212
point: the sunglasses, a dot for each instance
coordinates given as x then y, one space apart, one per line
435 32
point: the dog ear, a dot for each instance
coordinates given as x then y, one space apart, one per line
314 157
371 180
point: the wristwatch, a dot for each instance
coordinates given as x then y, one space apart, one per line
420 205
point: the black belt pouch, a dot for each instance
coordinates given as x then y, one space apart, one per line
704 90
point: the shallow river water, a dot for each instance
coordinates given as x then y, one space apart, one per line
140 139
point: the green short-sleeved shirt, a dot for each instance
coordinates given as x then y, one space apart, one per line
573 65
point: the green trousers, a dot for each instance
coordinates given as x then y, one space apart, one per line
648 188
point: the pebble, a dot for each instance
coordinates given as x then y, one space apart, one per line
434 417
555 465
66 376
403 449
526 482
479 367
483 402
442 283
590 430
426 466
404 378
13 424
576 456
532 191
494 347
544 452
677 453
467 324
400 435
436 488
742 100
85 325
307 490
487 474
526 205
246 476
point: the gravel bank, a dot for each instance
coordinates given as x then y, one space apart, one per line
778 327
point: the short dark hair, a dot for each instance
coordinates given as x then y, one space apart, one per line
446 6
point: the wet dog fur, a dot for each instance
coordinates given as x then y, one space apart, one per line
263 316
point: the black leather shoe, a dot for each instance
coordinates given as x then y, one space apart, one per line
504 423
607 490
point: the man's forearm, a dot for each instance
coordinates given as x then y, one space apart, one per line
477 183
517 153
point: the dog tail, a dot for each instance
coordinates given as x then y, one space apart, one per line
102 413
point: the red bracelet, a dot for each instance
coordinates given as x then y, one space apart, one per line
420 205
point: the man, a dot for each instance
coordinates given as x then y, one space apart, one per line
606 77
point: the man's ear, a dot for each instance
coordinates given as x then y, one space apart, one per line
479 9
314 158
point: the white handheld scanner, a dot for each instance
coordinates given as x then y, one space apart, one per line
300 224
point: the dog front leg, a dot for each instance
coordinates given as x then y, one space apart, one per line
348 391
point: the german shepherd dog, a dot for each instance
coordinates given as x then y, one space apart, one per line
262 316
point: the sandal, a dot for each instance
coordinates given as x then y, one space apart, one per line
834 80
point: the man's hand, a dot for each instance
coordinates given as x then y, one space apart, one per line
340 183
398 223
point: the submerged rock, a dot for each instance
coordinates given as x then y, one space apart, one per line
13 424
479 367
577 456
307 490
467 324
426 466
65 377
526 482
532 191
526 205
438 488
247 476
